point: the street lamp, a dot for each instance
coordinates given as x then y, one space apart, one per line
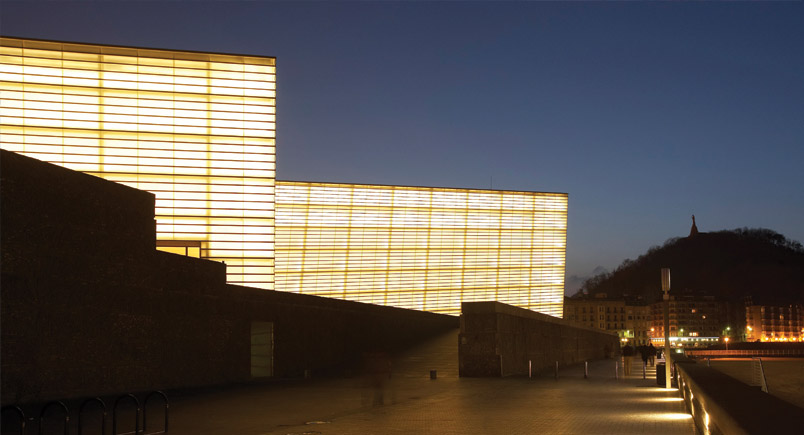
666 309
727 342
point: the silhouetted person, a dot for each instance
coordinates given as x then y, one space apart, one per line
644 352
628 354
378 370
651 354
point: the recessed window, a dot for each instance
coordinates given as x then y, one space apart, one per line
189 248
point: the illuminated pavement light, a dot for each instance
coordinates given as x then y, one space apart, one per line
449 405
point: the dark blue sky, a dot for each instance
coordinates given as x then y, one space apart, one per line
645 113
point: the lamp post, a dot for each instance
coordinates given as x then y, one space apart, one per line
666 309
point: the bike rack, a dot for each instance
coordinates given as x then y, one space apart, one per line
136 417
20 415
66 416
81 414
145 413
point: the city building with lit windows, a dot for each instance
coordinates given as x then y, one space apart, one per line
628 318
198 131
694 321
774 323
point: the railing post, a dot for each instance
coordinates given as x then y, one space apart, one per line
616 370
556 370
586 369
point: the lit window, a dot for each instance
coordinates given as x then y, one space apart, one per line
190 248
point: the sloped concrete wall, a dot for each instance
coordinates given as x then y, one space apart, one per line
498 340
89 307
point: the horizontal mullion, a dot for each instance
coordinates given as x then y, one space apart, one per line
418 250
115 83
59 55
281 262
102 66
191 97
136 76
104 107
154 131
313 206
138 122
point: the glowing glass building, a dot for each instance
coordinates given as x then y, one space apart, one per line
197 130
421 247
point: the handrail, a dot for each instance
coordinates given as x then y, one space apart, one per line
66 416
745 352
81 414
136 417
20 415
145 412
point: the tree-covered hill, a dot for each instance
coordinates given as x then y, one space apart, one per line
726 264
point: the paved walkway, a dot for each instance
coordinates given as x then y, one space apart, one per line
414 404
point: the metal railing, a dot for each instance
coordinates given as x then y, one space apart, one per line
747 352
20 416
136 415
145 413
65 421
81 414
84 412
758 374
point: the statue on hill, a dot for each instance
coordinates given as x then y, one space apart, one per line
694 229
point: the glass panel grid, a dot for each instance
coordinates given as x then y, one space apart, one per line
421 248
195 129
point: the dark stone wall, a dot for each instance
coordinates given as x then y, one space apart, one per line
498 340
89 307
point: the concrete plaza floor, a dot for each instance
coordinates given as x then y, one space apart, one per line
411 403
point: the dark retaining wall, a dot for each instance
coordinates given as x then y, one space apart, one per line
498 340
89 307
733 407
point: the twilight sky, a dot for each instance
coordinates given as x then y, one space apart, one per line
645 113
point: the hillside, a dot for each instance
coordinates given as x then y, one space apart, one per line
727 264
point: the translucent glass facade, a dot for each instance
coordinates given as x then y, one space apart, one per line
421 248
195 129
198 129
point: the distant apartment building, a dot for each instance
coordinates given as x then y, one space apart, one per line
629 319
694 321
774 323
